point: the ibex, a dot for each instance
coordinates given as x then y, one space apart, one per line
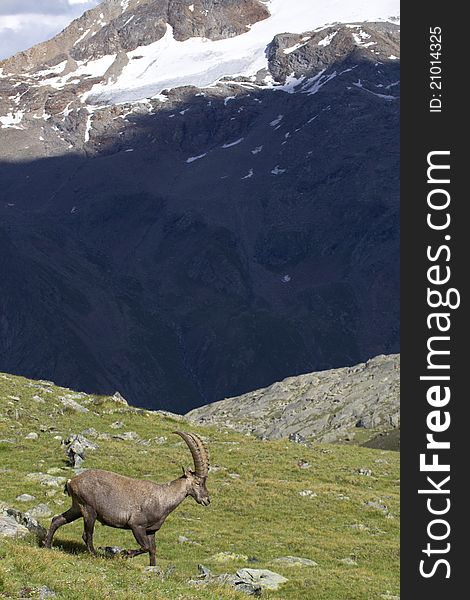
127 503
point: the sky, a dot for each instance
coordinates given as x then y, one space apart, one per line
24 23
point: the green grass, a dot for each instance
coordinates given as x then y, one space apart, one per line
260 514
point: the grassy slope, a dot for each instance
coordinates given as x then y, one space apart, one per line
259 514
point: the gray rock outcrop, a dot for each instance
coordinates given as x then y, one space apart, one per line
325 406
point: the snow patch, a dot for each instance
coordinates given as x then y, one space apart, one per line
278 171
326 41
88 127
92 68
386 97
295 47
12 120
257 150
276 121
82 37
200 62
191 7
235 143
193 158
249 175
392 57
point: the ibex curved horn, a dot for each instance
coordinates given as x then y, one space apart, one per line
199 452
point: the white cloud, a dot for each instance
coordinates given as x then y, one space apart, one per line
26 23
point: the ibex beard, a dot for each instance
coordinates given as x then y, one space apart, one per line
128 503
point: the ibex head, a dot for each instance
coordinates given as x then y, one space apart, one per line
196 479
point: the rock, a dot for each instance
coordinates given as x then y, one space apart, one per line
360 527
308 494
31 436
294 561
10 528
348 561
225 557
377 505
263 577
182 539
75 449
47 480
41 510
13 518
128 436
73 405
388 596
252 589
111 551
117 425
90 432
160 440
204 571
297 438
116 397
303 464
44 592
366 472
25 498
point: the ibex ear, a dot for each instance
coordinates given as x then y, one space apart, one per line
187 472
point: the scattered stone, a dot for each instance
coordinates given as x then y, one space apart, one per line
182 539
41 510
117 425
160 440
263 577
127 436
388 596
31 436
90 432
234 475
110 551
204 571
73 405
377 505
342 497
308 494
366 472
7 441
348 561
47 480
45 592
104 436
225 557
25 498
116 397
360 527
295 561
297 438
39 400
303 464
76 446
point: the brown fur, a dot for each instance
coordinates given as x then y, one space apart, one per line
127 503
